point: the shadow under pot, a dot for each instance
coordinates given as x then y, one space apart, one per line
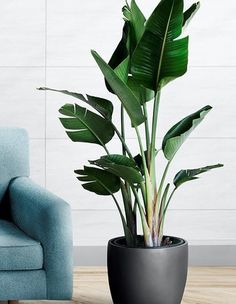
147 275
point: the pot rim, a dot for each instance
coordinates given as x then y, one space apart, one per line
114 242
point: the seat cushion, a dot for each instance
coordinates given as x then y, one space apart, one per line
17 250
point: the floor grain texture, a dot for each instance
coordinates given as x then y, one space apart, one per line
206 285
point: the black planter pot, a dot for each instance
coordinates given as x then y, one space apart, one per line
147 275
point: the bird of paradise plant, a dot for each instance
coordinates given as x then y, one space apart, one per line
149 56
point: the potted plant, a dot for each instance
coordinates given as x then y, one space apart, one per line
148 268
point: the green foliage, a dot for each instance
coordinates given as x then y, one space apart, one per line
187 175
149 55
98 181
190 13
103 106
159 56
83 125
120 61
122 50
132 32
177 135
142 94
121 166
127 98
139 161
136 20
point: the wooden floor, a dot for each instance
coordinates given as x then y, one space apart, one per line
206 285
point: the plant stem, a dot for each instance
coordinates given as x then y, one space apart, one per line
153 138
126 189
122 128
163 178
117 204
159 193
146 230
143 190
128 207
105 148
135 220
123 142
161 209
127 232
164 213
141 148
168 202
147 133
148 186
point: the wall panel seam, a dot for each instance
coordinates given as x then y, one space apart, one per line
45 120
95 67
195 138
170 210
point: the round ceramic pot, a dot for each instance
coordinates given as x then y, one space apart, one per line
147 275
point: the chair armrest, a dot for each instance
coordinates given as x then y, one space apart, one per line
46 218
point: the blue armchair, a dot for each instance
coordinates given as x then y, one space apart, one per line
35 229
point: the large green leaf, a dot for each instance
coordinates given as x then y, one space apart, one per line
139 160
189 13
121 166
122 70
131 34
120 56
176 136
126 96
132 31
121 52
136 21
98 181
142 94
190 174
103 182
120 160
159 57
103 106
83 125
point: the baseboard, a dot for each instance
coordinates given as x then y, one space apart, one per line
199 255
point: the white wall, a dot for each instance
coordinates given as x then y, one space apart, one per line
48 42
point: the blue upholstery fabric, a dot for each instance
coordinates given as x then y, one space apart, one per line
46 218
25 285
14 159
44 227
17 250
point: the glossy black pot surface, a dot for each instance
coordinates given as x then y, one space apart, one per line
147 275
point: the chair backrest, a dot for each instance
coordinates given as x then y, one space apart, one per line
14 156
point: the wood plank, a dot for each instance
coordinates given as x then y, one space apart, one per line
206 285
